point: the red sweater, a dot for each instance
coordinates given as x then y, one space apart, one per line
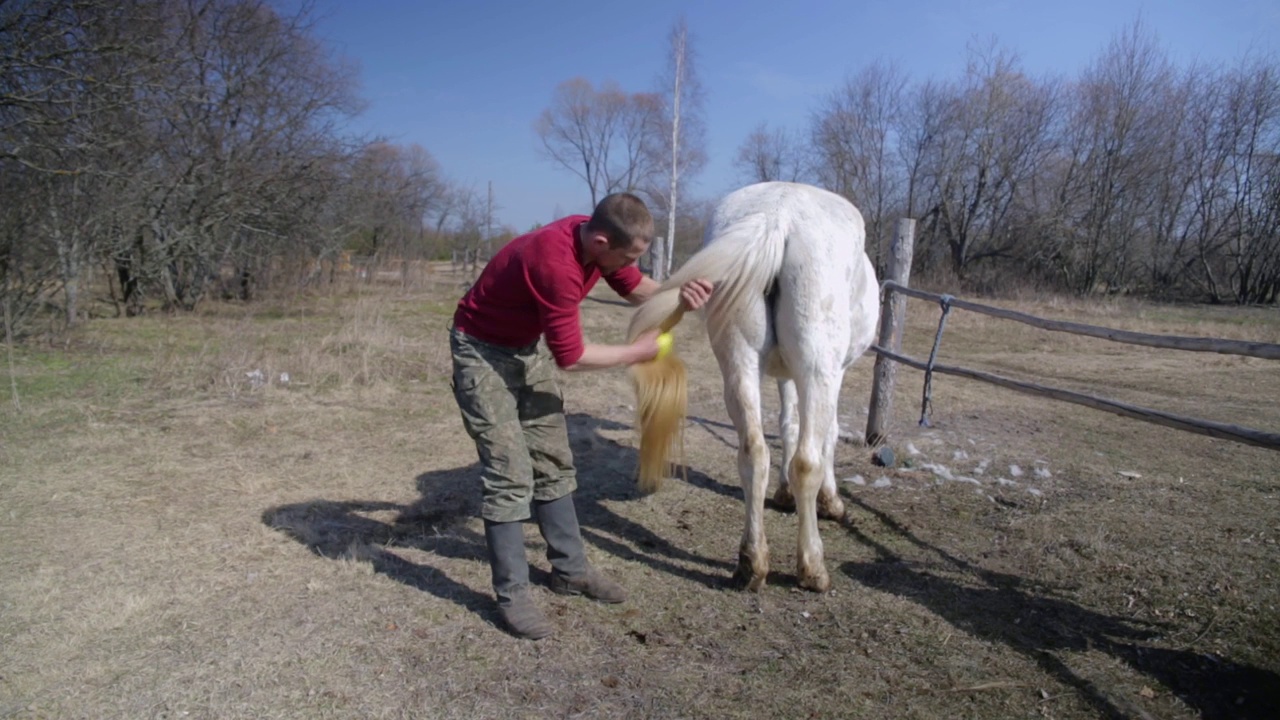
534 286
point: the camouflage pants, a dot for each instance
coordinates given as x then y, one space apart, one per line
512 408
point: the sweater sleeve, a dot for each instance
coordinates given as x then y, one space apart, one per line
625 280
557 292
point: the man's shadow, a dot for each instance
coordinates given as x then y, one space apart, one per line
998 606
606 473
437 522
369 530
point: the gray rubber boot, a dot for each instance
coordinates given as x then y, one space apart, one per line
571 574
510 569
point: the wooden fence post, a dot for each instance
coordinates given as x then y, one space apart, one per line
893 308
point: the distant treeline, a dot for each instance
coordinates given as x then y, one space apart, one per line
1135 177
165 144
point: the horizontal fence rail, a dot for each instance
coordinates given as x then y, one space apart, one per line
889 349
1203 427
1269 351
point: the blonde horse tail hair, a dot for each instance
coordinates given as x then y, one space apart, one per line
742 268
661 392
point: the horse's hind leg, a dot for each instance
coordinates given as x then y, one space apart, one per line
830 506
818 394
742 399
789 426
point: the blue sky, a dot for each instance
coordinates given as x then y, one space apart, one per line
467 79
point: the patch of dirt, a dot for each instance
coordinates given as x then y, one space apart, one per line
316 552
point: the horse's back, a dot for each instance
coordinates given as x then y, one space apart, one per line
827 294
825 235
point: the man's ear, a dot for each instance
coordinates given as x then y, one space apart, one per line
598 241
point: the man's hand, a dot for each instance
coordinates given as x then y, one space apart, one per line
645 348
695 293
599 357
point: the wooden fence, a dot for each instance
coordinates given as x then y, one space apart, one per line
889 353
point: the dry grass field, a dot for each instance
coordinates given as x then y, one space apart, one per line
270 511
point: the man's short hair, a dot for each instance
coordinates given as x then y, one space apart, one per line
623 218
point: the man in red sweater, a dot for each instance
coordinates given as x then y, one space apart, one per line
511 405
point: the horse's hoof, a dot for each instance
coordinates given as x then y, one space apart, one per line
818 581
747 581
750 576
830 507
783 499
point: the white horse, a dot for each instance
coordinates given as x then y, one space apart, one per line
796 298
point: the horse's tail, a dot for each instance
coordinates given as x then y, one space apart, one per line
742 260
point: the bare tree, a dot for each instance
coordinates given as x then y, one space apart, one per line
682 91
1238 257
240 128
607 137
852 137
67 82
1114 139
470 218
770 154
919 129
994 134
395 189
172 142
1183 207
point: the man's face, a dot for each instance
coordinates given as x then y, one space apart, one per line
614 259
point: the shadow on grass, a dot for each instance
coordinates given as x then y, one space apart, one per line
606 474
1000 607
437 523
357 530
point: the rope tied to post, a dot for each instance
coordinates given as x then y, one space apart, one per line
945 303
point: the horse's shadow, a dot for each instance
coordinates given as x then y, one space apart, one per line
439 522
999 607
